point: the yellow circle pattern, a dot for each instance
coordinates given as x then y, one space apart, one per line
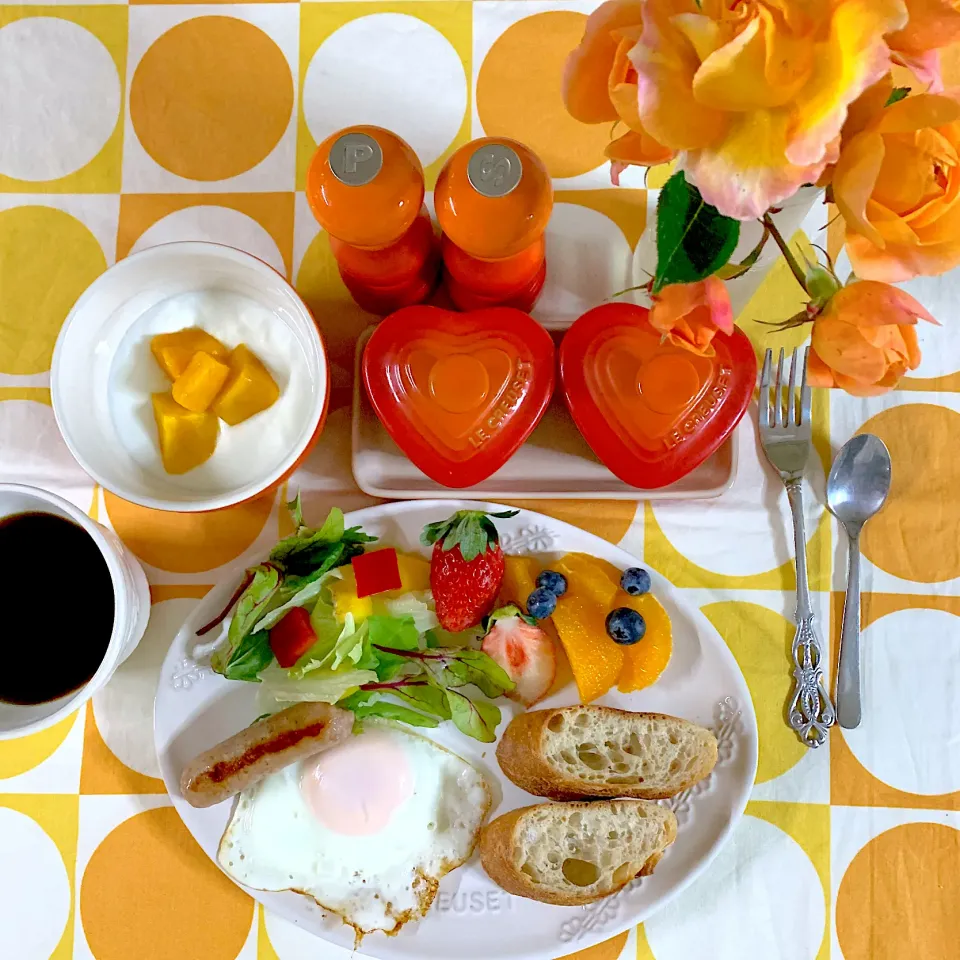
23 754
760 640
47 259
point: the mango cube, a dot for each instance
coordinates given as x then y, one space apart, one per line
187 439
197 387
174 351
248 390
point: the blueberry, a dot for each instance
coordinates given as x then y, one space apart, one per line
635 581
625 626
541 603
555 583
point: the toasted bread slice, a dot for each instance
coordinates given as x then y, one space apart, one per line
574 853
573 753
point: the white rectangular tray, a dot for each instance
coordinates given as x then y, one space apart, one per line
554 464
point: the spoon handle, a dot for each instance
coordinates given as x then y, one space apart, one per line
848 673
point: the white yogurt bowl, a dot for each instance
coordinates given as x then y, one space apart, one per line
103 374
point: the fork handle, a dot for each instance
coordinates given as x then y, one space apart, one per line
810 712
848 671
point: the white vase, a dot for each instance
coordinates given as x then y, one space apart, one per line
788 220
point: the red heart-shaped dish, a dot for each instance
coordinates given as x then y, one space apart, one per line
652 411
459 392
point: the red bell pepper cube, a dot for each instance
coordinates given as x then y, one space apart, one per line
376 572
292 636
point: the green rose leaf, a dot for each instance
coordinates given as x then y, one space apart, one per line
694 239
896 95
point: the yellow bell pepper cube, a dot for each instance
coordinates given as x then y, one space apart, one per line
187 439
174 351
249 388
197 387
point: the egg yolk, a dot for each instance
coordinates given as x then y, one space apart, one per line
355 789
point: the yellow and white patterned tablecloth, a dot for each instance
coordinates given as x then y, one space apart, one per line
125 125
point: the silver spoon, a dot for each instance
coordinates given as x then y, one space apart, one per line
857 488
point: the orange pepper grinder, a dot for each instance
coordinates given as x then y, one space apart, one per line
365 187
493 200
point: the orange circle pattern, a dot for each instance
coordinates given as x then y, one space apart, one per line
188 542
529 56
922 439
150 892
898 897
211 98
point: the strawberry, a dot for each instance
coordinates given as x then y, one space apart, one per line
524 651
466 566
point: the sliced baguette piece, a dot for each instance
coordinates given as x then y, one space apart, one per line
574 853
575 753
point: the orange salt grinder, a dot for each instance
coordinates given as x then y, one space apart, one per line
493 200
365 187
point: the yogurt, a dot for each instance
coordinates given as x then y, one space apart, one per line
245 452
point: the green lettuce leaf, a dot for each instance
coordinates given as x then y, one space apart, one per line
427 697
304 597
398 632
331 532
254 602
475 718
308 552
295 506
418 605
460 667
324 655
324 686
374 704
251 656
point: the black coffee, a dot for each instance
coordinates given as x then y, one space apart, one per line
57 607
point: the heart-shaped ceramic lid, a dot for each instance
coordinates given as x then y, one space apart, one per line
650 410
459 392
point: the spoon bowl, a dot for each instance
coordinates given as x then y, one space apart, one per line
859 480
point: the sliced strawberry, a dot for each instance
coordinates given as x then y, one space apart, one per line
524 651
466 566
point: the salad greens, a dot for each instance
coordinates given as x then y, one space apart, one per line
397 664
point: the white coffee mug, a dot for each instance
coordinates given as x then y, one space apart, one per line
131 598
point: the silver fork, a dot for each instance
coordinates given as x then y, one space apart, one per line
785 436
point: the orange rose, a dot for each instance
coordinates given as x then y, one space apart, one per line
897 185
600 83
864 341
933 24
690 314
752 94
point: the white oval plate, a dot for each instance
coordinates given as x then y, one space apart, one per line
472 918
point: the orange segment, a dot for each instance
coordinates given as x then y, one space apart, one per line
645 661
596 661
594 578
519 580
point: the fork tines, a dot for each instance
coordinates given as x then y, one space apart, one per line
777 410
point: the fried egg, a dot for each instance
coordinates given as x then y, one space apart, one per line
367 828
